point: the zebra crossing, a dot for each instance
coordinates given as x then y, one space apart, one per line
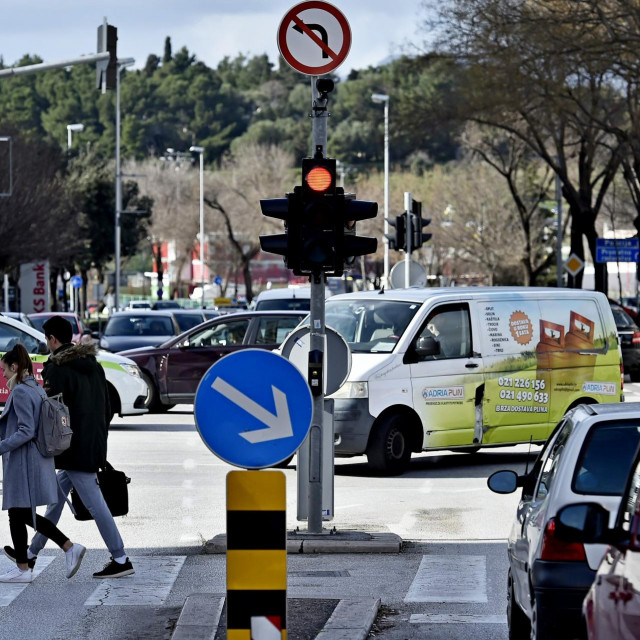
149 586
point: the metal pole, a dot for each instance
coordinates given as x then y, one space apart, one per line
386 193
69 139
46 66
202 240
316 344
6 292
118 193
559 264
408 202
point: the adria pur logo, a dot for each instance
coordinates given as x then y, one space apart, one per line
521 327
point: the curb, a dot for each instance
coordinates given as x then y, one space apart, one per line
352 618
342 542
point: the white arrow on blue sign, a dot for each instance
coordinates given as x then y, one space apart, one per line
253 408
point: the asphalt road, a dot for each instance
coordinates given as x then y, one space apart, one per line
456 528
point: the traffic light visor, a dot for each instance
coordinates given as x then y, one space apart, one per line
319 179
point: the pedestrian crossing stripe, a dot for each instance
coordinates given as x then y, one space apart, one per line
456 618
9 592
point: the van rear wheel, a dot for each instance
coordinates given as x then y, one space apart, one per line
388 452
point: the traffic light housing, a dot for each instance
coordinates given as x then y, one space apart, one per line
106 70
398 239
320 222
418 223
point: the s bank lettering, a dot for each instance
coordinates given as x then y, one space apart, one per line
39 300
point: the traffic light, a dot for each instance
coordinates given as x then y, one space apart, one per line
417 224
285 244
107 70
320 222
398 239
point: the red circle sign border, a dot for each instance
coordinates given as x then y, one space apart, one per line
288 56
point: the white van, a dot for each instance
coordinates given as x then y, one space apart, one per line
289 298
464 368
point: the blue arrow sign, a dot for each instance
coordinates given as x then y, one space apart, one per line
253 408
76 282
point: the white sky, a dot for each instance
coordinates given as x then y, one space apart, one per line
211 29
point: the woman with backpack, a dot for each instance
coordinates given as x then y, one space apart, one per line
29 478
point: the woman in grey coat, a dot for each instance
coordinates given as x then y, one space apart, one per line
29 479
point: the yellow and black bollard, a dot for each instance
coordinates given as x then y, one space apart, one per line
256 555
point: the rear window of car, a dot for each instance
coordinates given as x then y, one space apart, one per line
40 320
187 321
284 304
621 317
139 326
606 457
275 330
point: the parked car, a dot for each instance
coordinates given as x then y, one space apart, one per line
18 315
294 299
189 318
127 389
587 458
612 606
137 304
38 320
629 336
133 329
174 369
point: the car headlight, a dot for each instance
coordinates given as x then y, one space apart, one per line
131 369
104 343
352 390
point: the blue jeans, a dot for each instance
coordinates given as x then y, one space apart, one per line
86 484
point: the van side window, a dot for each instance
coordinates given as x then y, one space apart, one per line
450 327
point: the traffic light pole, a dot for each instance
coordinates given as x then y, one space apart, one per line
319 116
408 207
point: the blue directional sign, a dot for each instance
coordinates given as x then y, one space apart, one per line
76 282
253 408
217 280
621 250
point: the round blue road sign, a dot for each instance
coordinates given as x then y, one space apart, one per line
76 282
253 408
217 280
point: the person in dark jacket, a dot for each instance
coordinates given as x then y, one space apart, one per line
73 371
29 479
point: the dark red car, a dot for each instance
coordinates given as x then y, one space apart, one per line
174 369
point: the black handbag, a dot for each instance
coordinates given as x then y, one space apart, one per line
113 485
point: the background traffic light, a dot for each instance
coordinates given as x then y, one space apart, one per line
418 223
107 70
398 239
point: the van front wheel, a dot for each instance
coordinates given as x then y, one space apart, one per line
388 452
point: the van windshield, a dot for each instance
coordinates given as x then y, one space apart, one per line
370 326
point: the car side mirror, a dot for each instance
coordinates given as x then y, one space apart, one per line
42 348
96 335
427 346
585 522
503 481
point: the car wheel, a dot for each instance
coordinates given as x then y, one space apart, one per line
635 376
518 624
152 401
114 402
388 451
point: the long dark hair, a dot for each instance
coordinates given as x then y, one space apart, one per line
19 355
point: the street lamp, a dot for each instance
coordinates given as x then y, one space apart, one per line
382 98
70 129
200 151
122 63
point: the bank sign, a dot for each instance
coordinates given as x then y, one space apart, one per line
34 287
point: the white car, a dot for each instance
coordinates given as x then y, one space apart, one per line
127 390
586 459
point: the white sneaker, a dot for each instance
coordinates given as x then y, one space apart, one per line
17 575
74 558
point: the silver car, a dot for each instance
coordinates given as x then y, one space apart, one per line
586 459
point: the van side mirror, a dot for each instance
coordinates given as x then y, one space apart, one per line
427 346
42 348
585 522
503 481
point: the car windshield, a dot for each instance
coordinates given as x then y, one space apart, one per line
187 321
38 321
606 458
370 326
284 304
139 326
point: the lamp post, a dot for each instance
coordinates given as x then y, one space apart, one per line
382 98
70 129
200 151
126 62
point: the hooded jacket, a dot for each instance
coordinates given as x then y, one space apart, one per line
73 371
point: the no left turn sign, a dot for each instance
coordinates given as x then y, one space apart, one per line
314 37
